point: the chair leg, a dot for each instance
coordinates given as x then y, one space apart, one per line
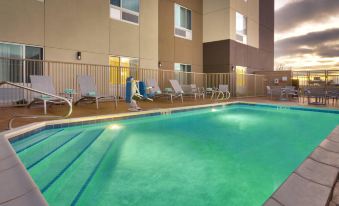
81 99
97 102
45 107
171 97
30 104
115 99
182 98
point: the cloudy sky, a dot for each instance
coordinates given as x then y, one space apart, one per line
307 34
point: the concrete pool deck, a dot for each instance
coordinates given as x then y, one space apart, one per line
311 184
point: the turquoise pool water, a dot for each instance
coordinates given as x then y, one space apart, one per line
234 155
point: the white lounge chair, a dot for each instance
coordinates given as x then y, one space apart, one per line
178 91
44 84
155 91
89 92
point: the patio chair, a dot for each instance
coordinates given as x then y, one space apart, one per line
333 93
222 91
178 91
318 94
89 92
192 90
44 84
225 90
275 92
290 91
155 91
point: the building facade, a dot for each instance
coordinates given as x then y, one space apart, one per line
185 35
238 35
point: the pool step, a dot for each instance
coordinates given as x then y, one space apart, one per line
46 172
32 155
28 142
81 172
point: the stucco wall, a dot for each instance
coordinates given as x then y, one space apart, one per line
22 21
178 50
219 20
64 27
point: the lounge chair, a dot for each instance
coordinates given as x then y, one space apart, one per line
155 91
178 91
192 90
44 84
89 92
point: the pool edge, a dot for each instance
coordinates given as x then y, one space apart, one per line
305 186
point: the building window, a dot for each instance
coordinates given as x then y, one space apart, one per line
125 10
241 28
184 75
12 66
183 67
183 22
121 68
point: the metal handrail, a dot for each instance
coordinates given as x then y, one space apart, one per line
39 92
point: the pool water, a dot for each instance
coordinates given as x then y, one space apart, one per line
234 155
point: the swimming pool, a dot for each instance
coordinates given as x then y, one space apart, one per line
231 155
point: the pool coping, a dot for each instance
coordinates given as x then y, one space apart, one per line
21 189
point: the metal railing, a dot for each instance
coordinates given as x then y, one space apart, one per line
68 114
317 78
110 80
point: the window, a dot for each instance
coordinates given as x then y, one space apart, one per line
125 10
182 67
121 68
183 76
13 68
183 22
241 28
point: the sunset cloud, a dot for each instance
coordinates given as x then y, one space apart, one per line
307 34
307 11
323 43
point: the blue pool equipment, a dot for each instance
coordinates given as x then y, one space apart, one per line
143 91
135 90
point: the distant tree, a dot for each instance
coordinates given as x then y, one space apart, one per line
282 67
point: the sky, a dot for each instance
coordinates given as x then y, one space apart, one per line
307 34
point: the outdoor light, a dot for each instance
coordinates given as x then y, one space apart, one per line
160 64
214 110
78 55
115 127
